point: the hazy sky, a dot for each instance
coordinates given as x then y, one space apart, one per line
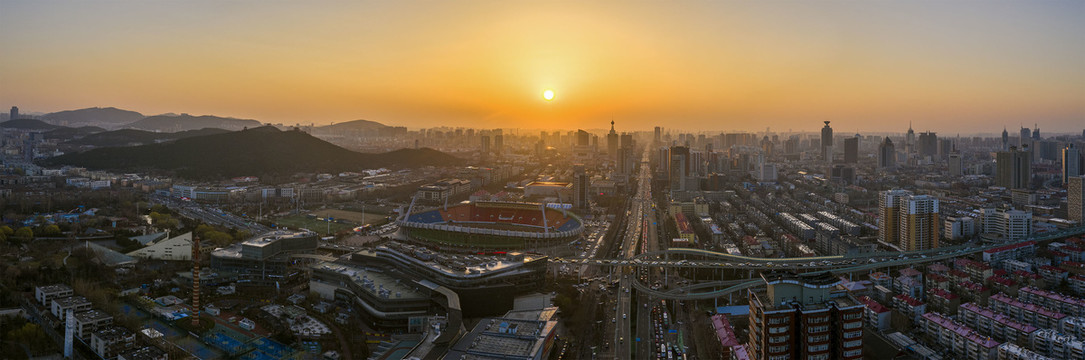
949 66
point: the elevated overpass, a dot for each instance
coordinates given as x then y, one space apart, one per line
840 265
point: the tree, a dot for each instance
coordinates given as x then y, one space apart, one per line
51 230
24 234
7 230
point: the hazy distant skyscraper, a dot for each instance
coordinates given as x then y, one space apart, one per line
583 138
1025 137
851 150
1005 139
14 113
499 143
1075 199
1071 162
1014 168
678 168
580 187
887 155
1036 133
827 143
955 166
909 140
928 145
658 139
612 142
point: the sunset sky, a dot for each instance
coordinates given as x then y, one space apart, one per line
948 66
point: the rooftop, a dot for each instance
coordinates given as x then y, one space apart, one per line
91 316
55 288
377 283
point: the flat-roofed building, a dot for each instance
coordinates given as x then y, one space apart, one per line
264 260
45 294
90 321
801 317
59 307
110 341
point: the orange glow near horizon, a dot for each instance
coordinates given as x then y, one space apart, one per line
694 65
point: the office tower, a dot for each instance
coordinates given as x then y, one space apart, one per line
1014 168
485 150
612 142
1075 198
1036 133
919 225
887 155
842 174
945 147
791 145
1071 162
909 140
581 187
767 146
1025 137
499 144
623 165
627 141
678 168
1009 225
804 316
827 143
583 138
888 215
851 150
1005 139
658 139
955 166
14 113
928 145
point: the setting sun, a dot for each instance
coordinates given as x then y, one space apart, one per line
548 94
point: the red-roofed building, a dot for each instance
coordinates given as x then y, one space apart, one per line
1054 276
996 324
1003 284
972 292
943 301
1014 251
937 268
1028 278
958 339
1025 312
725 334
957 276
876 315
1074 267
937 281
1076 253
910 306
1053 301
1077 284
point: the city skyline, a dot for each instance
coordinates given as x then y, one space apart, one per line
691 66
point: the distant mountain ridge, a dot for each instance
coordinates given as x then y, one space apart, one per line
262 151
96 116
132 137
354 125
28 124
186 122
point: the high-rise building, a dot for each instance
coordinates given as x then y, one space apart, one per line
1008 224
1014 168
14 113
499 144
909 140
1005 139
583 138
1075 198
955 166
678 168
484 151
1025 137
945 147
907 220
887 155
658 139
928 145
612 142
851 150
803 316
888 215
827 143
1071 162
581 187
919 224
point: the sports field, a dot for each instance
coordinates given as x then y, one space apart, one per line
300 221
352 216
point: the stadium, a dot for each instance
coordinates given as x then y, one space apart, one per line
492 226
